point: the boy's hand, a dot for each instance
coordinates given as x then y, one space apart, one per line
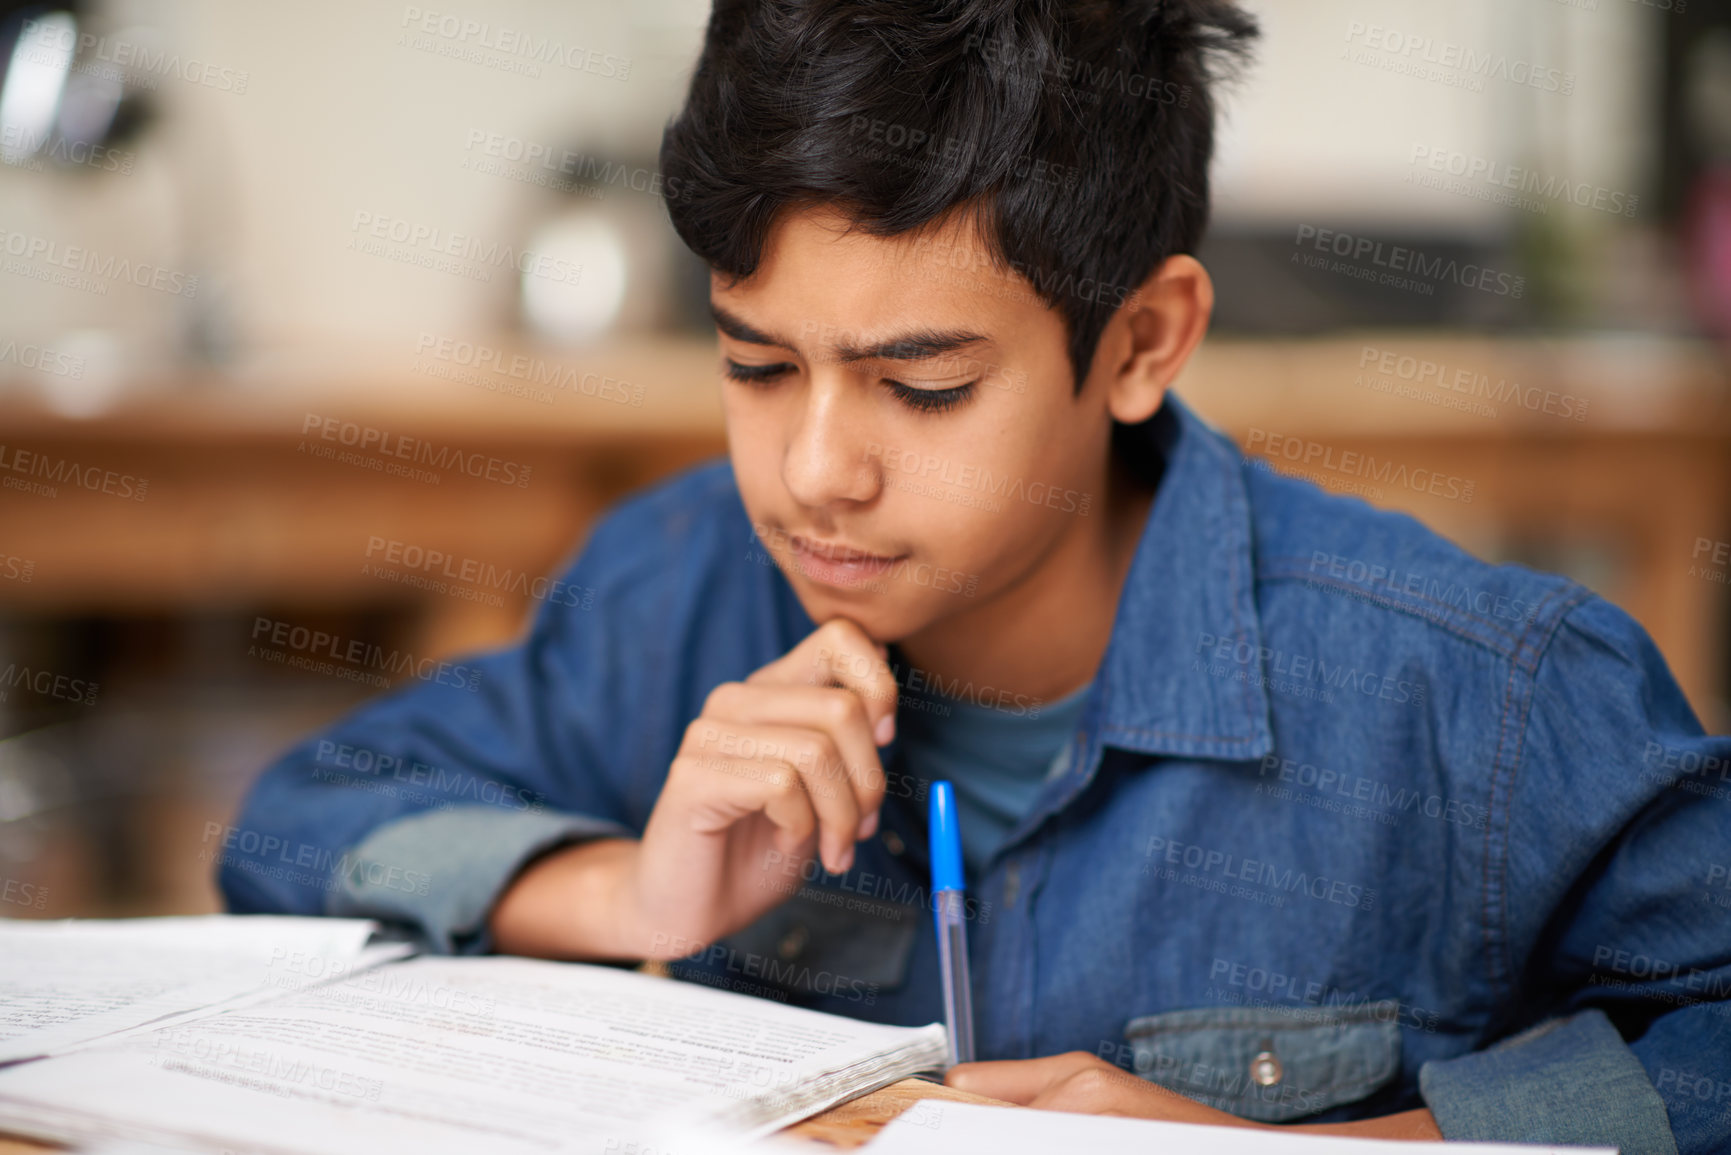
1088 1085
774 768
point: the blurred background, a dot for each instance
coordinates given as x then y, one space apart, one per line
327 329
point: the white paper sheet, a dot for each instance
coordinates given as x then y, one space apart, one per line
937 1127
65 983
455 1055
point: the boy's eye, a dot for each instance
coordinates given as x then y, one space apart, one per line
754 374
931 400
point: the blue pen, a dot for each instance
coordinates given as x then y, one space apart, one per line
947 909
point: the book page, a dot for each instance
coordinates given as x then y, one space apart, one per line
936 1127
453 1055
67 982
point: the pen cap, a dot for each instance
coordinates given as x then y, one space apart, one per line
946 839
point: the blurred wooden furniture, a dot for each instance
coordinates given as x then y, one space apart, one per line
240 513
850 1125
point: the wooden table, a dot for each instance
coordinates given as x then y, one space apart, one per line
849 1125
239 512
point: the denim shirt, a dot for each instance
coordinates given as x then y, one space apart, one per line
1352 822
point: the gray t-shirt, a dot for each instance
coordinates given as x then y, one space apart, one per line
998 757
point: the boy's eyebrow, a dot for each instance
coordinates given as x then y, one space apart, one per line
915 346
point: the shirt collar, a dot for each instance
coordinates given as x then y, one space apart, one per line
1190 591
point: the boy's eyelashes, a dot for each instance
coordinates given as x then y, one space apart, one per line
922 400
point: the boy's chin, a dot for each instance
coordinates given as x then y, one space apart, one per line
885 614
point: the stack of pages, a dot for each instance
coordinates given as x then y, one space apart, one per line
289 1035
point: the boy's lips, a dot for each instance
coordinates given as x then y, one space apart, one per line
837 563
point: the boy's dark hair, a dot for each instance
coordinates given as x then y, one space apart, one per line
1077 132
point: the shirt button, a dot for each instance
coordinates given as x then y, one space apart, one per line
1265 1069
793 942
893 842
1012 883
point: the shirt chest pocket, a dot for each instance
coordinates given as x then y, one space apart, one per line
1270 1065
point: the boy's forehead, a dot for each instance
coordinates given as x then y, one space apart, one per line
822 283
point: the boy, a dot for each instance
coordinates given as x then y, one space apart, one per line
1260 827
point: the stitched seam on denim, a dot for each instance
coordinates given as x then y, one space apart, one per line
1247 1028
1496 854
1511 640
1237 591
1131 731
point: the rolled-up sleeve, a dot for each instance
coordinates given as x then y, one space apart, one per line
440 873
564 734
1568 1080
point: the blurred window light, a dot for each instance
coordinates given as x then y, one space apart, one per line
35 79
574 308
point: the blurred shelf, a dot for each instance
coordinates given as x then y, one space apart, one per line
1615 447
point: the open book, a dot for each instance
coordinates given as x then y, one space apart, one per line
426 1054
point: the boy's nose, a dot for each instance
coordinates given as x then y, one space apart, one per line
826 459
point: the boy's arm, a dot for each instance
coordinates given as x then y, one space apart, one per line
421 806
1608 823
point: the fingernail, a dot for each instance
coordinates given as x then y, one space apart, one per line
845 861
885 733
868 825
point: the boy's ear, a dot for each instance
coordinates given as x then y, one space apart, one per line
1150 338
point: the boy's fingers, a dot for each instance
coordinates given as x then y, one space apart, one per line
836 713
777 761
1017 1080
838 653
